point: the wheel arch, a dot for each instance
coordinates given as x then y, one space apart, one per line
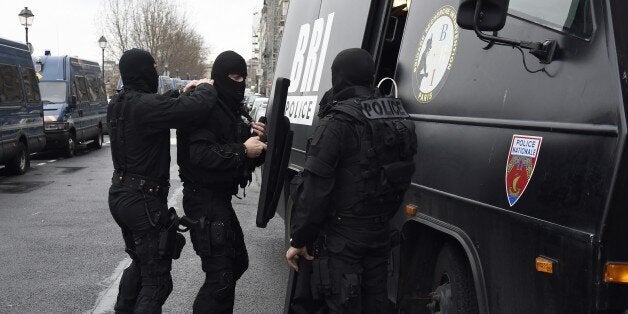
443 232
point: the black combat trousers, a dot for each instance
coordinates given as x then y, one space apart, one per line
220 245
349 272
146 283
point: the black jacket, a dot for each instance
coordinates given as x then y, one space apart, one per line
140 143
213 155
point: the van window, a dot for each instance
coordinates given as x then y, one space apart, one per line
31 85
571 16
10 87
53 92
81 88
92 87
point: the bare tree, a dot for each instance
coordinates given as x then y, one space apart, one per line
158 27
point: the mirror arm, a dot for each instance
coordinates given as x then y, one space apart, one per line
544 51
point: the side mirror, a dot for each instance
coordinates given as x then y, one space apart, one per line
492 14
72 103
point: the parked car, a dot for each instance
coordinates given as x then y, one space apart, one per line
75 103
258 109
21 123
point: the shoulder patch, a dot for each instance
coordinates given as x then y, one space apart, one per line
383 108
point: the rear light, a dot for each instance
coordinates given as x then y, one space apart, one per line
616 273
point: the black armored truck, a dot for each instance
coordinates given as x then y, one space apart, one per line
519 201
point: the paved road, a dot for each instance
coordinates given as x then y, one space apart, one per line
62 252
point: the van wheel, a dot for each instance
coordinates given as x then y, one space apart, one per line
19 163
70 146
97 143
453 288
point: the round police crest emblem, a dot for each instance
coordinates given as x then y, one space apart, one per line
435 55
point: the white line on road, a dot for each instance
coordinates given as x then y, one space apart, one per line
40 164
107 298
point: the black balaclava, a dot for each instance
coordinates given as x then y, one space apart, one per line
352 67
137 68
229 91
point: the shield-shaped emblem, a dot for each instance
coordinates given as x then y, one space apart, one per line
522 157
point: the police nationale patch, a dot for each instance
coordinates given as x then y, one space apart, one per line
382 108
522 157
435 55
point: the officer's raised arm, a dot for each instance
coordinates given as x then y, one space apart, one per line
164 112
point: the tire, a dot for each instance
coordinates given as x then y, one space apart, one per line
452 276
70 148
19 163
97 143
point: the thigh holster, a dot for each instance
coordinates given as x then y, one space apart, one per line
321 278
171 242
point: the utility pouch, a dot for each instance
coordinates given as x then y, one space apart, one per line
350 289
321 278
398 174
222 235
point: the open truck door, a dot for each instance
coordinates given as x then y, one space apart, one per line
315 32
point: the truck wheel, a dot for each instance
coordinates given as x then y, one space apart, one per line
97 143
453 288
70 146
19 163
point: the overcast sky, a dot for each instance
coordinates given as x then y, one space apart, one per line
72 26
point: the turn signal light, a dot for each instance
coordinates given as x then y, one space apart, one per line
544 265
616 272
411 210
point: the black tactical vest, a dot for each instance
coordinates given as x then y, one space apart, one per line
372 182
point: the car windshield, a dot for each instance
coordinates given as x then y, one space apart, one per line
52 92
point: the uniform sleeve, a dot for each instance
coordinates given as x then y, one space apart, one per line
165 112
207 153
318 183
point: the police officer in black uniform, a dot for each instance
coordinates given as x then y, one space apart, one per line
139 123
359 164
214 161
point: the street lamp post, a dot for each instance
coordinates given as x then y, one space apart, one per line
26 19
102 42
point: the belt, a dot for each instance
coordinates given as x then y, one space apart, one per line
145 184
347 220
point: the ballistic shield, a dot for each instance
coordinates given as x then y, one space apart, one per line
277 153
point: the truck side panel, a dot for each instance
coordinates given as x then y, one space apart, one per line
466 133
